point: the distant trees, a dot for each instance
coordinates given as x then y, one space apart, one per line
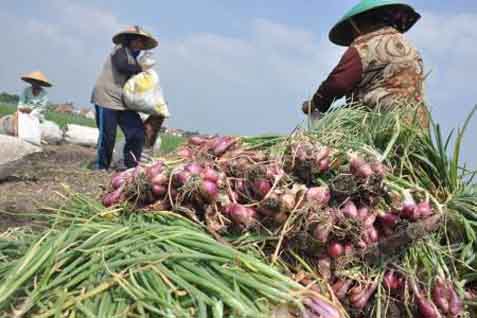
7 98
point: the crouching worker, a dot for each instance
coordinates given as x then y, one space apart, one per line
120 65
34 98
381 68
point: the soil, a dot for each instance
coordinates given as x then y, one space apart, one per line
41 180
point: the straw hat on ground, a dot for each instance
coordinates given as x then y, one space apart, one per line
149 40
37 78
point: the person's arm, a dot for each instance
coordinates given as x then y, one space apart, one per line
342 80
124 63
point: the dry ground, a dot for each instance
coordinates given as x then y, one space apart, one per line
41 176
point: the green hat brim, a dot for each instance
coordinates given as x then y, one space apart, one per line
342 33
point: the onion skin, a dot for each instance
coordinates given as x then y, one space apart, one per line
424 209
210 174
112 198
426 308
440 296
369 221
363 213
324 165
155 169
197 141
118 181
160 179
193 168
409 207
262 187
322 308
287 202
456 306
318 195
350 210
378 168
361 300
183 177
185 153
324 267
159 190
335 250
391 280
322 232
389 220
241 215
359 167
342 288
209 190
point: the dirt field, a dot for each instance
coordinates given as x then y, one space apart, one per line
36 184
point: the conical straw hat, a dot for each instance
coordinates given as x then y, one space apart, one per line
37 78
150 41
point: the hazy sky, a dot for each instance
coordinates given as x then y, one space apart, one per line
239 67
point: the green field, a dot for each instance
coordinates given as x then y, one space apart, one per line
169 142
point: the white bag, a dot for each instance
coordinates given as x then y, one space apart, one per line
81 135
51 133
12 152
142 92
29 128
7 125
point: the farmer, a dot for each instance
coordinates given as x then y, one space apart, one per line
34 98
120 65
381 68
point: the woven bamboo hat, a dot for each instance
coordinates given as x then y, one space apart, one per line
149 41
37 78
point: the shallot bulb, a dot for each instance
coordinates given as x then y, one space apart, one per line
210 174
409 207
350 210
241 215
209 190
193 168
335 250
359 167
318 195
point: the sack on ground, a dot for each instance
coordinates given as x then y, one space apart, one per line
8 125
51 133
81 135
12 151
142 93
29 128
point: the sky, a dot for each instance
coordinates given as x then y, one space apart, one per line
232 67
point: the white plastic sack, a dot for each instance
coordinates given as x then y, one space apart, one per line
12 151
142 93
7 126
51 133
29 128
81 135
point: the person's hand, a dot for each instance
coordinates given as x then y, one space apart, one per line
24 110
307 107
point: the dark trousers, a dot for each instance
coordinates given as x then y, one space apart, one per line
132 126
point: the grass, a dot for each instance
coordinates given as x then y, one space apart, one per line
170 143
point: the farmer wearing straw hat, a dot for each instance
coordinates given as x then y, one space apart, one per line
34 98
381 68
120 65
